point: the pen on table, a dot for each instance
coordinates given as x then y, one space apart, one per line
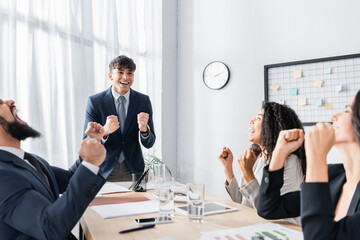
138 228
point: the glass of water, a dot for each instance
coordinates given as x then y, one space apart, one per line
195 202
159 177
166 197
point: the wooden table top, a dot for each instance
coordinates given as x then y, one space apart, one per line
97 228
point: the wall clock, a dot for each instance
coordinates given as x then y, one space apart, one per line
216 75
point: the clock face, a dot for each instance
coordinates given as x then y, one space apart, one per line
216 75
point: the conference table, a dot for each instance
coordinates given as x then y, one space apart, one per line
96 228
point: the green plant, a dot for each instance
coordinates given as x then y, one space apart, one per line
151 160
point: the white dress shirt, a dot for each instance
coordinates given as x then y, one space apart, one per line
21 153
116 96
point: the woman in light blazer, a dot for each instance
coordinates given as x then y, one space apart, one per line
264 130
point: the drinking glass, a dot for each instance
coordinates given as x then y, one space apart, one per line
159 176
195 202
166 197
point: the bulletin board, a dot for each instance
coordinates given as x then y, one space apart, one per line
316 89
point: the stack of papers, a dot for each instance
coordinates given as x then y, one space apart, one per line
116 199
108 206
268 231
126 209
112 187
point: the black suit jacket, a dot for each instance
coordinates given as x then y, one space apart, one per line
99 107
272 205
318 202
30 208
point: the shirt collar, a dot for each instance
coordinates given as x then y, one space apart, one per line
116 95
17 152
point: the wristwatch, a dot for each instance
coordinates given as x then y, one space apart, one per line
145 132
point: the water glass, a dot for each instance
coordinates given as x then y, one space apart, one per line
166 197
159 176
195 202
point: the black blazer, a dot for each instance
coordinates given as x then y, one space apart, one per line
30 208
318 202
272 205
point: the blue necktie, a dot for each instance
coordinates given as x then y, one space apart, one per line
122 100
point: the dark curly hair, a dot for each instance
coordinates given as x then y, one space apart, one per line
355 119
278 117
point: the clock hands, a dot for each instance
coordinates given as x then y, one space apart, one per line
212 75
219 73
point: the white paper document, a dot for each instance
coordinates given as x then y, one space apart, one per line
267 230
112 187
126 209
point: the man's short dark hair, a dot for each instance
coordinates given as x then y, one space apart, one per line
122 62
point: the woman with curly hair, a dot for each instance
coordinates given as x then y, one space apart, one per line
264 131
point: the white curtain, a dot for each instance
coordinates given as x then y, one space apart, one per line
55 53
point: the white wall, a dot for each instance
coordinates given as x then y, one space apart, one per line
246 35
169 84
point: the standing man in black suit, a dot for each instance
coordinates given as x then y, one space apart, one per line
127 118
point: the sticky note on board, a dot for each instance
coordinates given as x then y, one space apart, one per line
318 83
327 70
297 74
318 102
275 87
328 106
293 91
281 101
302 101
340 88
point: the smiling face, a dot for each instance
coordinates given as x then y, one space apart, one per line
342 125
122 80
255 127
